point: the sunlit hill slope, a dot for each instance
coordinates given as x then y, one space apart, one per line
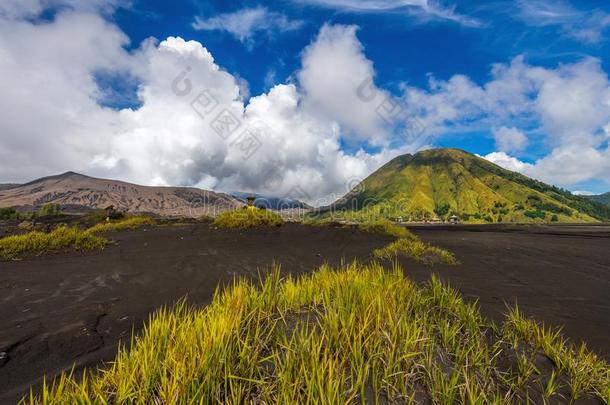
440 183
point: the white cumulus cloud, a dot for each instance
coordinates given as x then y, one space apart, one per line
54 122
510 139
508 162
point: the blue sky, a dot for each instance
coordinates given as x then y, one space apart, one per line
487 77
403 47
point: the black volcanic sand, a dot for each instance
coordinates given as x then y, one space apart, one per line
74 308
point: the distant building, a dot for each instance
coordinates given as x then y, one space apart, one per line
454 219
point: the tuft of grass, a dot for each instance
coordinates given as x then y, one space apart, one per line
60 239
408 244
122 224
417 250
249 217
350 335
386 227
587 372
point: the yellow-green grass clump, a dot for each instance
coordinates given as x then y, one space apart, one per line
386 227
65 238
407 244
249 217
60 239
416 250
122 224
353 335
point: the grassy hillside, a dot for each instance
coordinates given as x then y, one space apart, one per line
440 183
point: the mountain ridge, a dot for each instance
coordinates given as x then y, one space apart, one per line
431 184
78 190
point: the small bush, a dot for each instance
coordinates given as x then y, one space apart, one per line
417 250
385 227
129 223
535 214
250 217
9 213
49 210
62 238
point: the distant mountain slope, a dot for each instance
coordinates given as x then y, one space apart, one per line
602 198
439 183
72 189
273 203
7 186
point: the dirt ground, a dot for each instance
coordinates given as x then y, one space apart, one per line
74 308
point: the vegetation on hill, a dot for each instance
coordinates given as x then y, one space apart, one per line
440 183
602 198
9 213
248 217
352 335
47 210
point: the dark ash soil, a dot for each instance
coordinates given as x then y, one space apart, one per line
74 308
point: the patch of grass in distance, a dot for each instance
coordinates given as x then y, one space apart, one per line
122 224
249 217
386 227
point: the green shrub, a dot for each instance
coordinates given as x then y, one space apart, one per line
536 214
359 334
11 213
60 239
8 213
385 227
249 217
